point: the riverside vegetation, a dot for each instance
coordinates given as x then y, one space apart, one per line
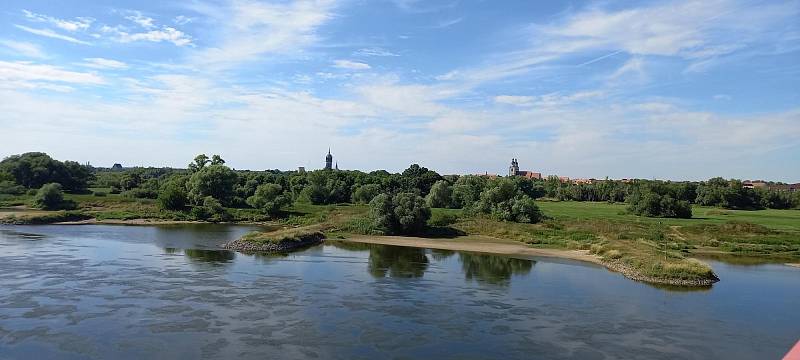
649 230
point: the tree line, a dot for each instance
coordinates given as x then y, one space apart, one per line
207 187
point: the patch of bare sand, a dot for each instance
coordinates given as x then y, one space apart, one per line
478 244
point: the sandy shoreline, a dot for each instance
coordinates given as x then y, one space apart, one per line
794 265
478 244
507 247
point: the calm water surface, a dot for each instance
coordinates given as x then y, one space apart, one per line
125 292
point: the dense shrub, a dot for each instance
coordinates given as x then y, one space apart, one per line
404 213
51 197
32 170
505 201
467 190
172 197
651 204
211 210
441 195
216 181
11 188
365 193
269 198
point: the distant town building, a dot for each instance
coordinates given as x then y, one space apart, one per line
117 167
757 184
513 170
301 169
329 161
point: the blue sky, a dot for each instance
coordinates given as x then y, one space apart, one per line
658 89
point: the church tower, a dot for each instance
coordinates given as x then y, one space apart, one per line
329 160
513 170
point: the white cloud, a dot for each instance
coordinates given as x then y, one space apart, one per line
79 23
724 97
448 23
141 20
351 65
515 100
166 33
35 75
182 20
51 34
253 29
102 63
634 66
374 51
24 48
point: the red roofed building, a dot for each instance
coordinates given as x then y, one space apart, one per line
513 170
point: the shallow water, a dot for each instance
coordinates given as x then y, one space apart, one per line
133 292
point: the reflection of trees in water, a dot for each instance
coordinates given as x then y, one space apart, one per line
440 254
493 269
349 245
397 261
212 256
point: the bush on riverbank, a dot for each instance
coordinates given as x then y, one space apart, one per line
404 213
50 197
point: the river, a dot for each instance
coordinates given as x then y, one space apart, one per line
167 292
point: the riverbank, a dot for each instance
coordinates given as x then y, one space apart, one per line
507 247
794 265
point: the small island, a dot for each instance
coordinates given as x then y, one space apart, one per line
648 230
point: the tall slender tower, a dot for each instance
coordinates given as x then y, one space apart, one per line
514 168
329 160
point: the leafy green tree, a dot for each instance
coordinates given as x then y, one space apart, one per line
365 193
467 190
172 197
217 181
418 179
381 211
411 211
505 201
217 160
210 209
404 213
34 169
200 161
269 198
441 195
647 201
50 197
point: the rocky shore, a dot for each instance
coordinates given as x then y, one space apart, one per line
633 274
286 245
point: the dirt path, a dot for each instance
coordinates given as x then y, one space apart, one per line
478 244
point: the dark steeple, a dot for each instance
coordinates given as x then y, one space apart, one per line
329 160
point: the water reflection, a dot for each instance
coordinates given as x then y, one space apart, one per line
440 254
210 256
397 261
491 269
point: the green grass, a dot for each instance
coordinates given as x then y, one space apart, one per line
283 235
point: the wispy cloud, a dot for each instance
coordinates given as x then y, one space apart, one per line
351 65
374 51
51 34
138 18
79 23
21 71
251 29
166 33
24 48
516 100
102 63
